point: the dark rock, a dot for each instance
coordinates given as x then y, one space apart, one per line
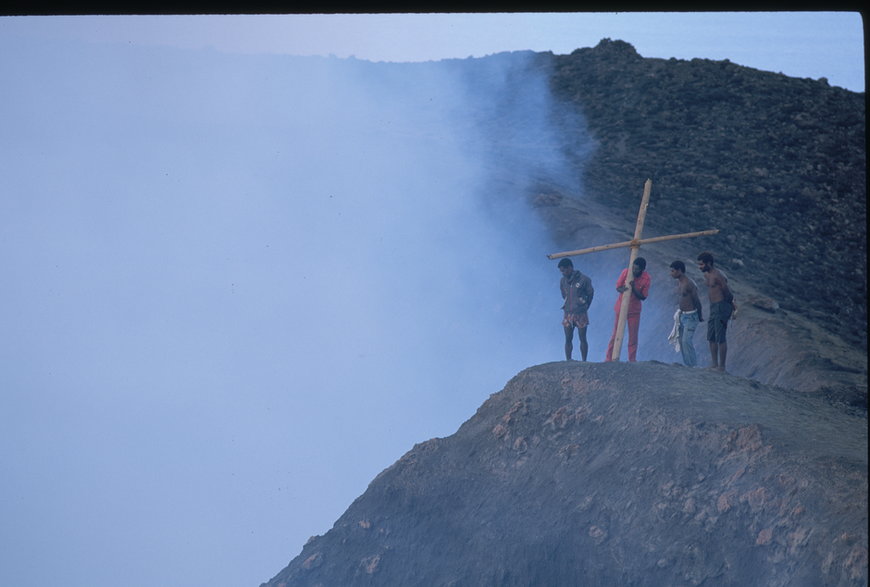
615 474
763 303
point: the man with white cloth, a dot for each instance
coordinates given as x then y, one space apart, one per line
687 316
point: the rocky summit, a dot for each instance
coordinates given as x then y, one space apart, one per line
614 474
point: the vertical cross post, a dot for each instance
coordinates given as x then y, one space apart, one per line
629 277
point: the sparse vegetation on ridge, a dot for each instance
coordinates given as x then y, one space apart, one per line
777 163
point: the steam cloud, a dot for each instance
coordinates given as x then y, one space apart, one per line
237 288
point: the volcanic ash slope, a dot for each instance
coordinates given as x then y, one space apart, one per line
614 474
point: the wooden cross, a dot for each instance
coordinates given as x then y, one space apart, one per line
635 244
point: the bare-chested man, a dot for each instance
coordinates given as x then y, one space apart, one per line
721 307
690 313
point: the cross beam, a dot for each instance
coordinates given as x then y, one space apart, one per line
635 244
632 243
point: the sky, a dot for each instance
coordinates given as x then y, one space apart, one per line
239 284
798 44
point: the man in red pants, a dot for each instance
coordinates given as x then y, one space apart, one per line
639 284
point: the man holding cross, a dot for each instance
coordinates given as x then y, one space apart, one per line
639 285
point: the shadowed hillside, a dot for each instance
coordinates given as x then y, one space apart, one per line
614 474
777 163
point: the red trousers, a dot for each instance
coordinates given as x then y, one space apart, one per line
632 324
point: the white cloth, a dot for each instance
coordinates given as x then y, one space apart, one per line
674 336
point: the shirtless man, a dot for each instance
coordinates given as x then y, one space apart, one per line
721 307
690 312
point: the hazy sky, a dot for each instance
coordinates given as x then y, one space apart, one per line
237 286
799 44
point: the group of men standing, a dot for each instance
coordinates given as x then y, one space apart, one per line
577 291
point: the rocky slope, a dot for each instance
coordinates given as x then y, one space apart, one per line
614 474
777 163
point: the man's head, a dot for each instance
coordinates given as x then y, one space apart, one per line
566 266
705 261
678 268
638 266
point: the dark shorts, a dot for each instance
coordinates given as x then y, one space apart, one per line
717 323
578 320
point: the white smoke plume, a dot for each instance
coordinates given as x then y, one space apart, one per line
237 288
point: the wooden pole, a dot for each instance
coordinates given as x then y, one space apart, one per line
629 277
644 241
